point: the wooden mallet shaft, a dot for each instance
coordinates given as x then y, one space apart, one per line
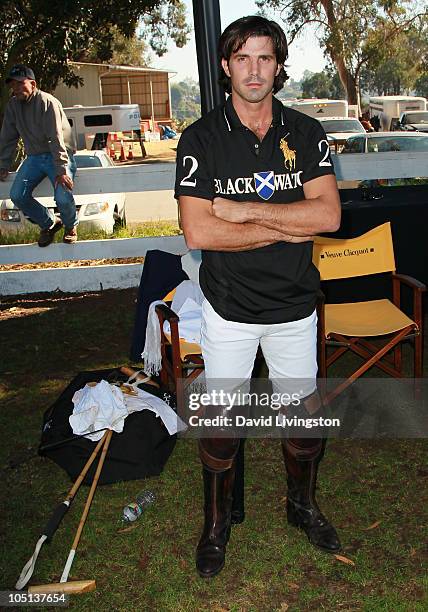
78 586
72 552
75 587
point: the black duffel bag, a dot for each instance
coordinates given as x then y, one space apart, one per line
141 450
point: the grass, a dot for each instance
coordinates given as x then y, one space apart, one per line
137 230
270 566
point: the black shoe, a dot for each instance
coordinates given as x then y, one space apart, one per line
237 517
320 532
47 235
70 235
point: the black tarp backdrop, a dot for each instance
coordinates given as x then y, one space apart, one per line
407 210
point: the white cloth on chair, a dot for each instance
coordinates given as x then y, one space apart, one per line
187 305
186 289
152 346
189 326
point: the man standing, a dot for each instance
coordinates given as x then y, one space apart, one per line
255 183
38 118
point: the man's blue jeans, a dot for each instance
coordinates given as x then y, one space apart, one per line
32 171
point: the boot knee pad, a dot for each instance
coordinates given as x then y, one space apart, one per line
218 454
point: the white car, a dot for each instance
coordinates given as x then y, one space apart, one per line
414 120
382 142
94 211
339 129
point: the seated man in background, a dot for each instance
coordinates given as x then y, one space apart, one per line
38 118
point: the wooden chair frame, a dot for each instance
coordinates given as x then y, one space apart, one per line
176 374
380 357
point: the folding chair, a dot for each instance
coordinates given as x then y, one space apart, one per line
350 326
162 273
182 361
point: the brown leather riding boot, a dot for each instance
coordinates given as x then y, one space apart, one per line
302 457
218 469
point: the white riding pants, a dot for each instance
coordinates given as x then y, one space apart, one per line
229 350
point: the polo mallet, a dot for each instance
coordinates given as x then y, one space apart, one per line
80 586
137 377
55 520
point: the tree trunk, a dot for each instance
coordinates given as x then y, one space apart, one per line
4 99
349 81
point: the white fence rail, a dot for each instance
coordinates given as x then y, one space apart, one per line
138 177
88 278
160 176
148 177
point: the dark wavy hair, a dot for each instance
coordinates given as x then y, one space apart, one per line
236 35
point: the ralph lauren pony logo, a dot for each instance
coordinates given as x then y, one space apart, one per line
289 154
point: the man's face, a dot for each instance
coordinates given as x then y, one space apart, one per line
22 89
252 69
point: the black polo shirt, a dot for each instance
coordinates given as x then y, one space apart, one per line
218 156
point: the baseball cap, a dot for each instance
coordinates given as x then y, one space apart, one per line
19 72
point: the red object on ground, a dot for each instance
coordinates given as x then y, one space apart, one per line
112 151
130 153
122 152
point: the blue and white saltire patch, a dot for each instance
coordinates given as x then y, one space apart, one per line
265 185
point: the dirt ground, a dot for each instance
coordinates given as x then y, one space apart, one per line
373 490
162 151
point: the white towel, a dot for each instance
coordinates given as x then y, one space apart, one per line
147 401
186 303
105 406
98 407
152 346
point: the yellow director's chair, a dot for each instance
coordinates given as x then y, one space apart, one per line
352 326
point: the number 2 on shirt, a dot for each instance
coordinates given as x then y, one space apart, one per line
194 166
324 161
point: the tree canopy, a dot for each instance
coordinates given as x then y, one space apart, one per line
353 33
421 85
324 84
126 51
47 35
397 70
185 102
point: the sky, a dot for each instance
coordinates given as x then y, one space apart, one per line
304 54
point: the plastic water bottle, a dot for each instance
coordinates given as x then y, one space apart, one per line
135 509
